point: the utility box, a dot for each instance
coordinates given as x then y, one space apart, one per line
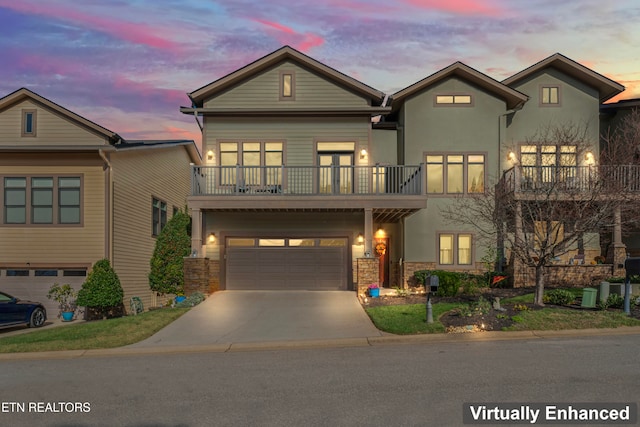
604 291
589 297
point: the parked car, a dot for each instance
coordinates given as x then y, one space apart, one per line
14 311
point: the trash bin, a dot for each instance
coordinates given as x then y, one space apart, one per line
589 297
604 291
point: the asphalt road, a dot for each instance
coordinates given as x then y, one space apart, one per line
384 385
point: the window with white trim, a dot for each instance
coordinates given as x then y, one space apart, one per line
159 216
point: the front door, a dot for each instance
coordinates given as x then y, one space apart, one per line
335 173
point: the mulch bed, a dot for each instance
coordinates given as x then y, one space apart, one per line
453 322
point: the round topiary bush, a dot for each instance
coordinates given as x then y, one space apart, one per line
102 292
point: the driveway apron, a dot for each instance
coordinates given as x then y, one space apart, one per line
228 317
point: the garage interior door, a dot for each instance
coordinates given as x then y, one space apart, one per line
34 285
291 264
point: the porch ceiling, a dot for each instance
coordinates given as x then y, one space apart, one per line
388 209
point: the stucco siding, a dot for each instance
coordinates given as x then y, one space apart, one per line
263 91
138 176
51 128
59 244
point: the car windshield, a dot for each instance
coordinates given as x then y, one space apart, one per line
5 297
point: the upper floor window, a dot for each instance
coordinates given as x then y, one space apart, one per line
159 216
42 200
287 86
455 173
262 161
550 95
453 99
28 122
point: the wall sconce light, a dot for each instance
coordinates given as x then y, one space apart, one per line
512 157
360 239
380 234
589 159
209 155
212 238
363 153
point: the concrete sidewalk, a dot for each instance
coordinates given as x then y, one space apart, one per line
267 316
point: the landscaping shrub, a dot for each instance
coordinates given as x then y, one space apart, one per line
167 263
449 282
559 297
192 300
615 301
102 292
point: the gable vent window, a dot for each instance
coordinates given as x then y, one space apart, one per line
451 99
29 123
287 86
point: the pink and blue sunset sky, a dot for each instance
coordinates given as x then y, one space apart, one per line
128 64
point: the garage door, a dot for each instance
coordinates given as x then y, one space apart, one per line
271 264
34 285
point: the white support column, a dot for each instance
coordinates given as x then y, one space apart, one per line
196 233
368 232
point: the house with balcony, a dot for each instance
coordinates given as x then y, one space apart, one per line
73 192
314 180
294 183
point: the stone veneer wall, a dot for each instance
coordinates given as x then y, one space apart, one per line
367 273
201 275
563 275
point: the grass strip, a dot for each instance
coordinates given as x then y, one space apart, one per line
90 335
409 319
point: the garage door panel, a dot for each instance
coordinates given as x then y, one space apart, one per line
304 268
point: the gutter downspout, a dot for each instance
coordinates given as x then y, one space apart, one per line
108 203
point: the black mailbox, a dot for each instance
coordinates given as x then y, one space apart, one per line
433 282
632 265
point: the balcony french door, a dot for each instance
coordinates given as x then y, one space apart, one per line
335 173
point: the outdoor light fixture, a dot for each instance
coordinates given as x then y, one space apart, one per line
360 238
363 153
589 158
380 234
212 237
209 155
512 157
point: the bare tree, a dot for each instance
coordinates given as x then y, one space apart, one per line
547 205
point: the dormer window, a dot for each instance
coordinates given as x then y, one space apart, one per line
287 86
444 100
550 96
28 122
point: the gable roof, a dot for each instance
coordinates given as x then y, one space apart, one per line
606 87
512 97
24 93
143 144
280 55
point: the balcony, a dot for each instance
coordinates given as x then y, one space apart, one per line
394 190
527 181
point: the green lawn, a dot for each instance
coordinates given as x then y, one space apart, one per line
553 319
409 319
98 334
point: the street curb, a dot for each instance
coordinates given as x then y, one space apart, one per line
330 343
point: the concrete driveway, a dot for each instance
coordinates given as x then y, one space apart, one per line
229 317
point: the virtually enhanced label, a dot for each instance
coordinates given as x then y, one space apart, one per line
550 413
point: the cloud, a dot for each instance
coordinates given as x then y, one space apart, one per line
288 36
133 32
462 7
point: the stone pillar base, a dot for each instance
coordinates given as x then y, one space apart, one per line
368 273
201 275
616 255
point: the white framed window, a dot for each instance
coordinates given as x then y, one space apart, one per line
158 215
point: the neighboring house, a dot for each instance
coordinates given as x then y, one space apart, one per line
612 116
313 180
73 192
